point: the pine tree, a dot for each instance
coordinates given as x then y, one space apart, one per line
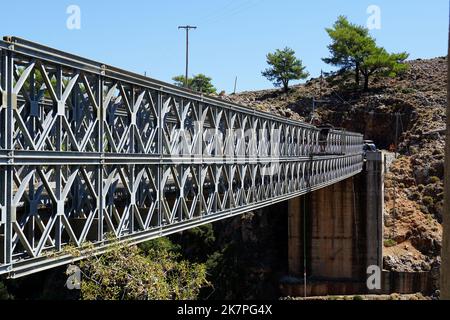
199 82
284 68
353 48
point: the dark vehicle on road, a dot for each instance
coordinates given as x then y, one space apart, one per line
369 146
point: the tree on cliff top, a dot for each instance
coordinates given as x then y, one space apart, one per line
352 48
199 82
284 68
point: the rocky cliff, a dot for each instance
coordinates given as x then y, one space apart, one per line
409 109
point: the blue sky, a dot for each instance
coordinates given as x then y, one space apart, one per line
233 36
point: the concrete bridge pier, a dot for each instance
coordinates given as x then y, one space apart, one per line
335 234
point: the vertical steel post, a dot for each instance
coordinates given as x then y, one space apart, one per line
9 136
58 168
445 266
132 167
101 118
160 191
3 122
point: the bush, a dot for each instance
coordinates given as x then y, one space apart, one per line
434 179
197 243
390 243
414 196
4 295
160 244
407 90
358 298
130 273
428 201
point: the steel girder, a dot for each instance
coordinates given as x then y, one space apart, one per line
88 150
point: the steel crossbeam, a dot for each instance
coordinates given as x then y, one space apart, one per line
88 150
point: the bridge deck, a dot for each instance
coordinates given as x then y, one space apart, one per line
88 150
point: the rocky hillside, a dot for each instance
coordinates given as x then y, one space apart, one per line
412 104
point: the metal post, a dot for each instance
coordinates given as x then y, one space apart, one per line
445 266
9 132
397 116
101 195
58 174
313 115
160 151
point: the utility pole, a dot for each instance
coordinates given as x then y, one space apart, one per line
235 84
397 123
313 114
187 28
445 254
321 80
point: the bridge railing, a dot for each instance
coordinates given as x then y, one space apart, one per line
88 150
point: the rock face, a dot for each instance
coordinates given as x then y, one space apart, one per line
412 106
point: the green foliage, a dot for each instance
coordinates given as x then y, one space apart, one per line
40 87
130 273
284 67
428 201
382 63
358 298
390 243
199 82
198 243
181 80
434 179
160 244
352 48
228 271
415 196
350 44
4 295
408 90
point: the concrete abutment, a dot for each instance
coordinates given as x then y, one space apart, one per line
335 234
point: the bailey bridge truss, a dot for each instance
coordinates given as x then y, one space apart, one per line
89 152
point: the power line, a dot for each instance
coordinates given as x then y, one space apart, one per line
228 11
217 12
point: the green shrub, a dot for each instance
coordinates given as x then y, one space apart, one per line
151 273
358 298
407 90
428 201
4 295
390 243
434 179
415 196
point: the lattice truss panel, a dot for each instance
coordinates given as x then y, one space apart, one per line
89 151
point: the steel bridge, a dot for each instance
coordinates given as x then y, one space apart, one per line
89 152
